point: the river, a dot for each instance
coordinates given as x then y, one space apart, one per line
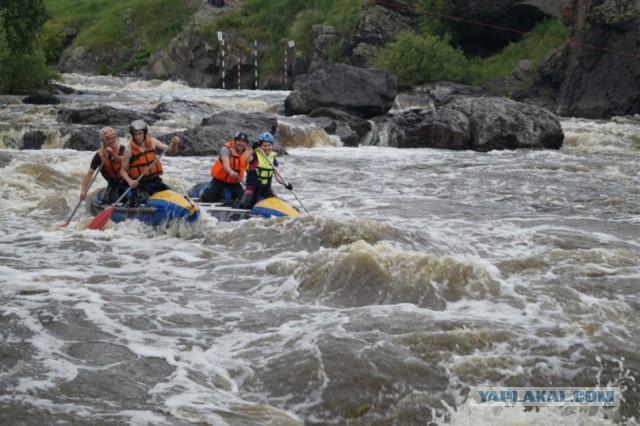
418 275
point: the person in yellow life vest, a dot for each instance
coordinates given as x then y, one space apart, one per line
137 158
228 171
260 172
111 153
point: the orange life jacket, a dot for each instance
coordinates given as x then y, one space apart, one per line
236 162
141 160
111 168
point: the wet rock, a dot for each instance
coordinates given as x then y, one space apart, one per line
33 139
377 26
105 115
41 99
435 94
178 106
597 83
358 125
216 130
480 124
429 128
83 138
230 122
362 92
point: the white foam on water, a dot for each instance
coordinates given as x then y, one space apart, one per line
223 311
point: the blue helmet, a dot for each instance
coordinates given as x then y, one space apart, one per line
266 137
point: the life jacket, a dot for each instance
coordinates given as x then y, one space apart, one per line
236 162
141 160
111 168
260 172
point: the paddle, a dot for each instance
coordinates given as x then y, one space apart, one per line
104 216
95 174
281 177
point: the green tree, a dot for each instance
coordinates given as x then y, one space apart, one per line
23 67
434 13
21 21
418 59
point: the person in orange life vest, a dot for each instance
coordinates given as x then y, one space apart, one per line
260 172
111 152
228 171
138 157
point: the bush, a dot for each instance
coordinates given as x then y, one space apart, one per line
138 60
50 40
24 74
433 21
418 59
272 62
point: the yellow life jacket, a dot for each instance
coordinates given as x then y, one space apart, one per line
263 172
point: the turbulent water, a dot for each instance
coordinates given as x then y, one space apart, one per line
418 275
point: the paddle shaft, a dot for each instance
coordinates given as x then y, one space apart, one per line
95 175
281 177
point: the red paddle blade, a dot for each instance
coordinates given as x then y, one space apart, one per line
101 219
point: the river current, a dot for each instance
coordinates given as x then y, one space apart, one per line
418 275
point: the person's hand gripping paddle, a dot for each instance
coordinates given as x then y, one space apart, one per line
286 184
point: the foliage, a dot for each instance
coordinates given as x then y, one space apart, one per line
23 64
24 72
150 24
434 20
335 57
108 23
416 59
278 21
535 46
271 62
104 69
21 22
138 60
50 40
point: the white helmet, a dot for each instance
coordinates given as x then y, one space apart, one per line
138 125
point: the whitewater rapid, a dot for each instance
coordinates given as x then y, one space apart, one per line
418 275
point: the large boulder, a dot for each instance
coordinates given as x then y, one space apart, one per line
349 128
216 130
324 38
365 93
601 83
378 25
82 138
430 128
33 139
41 99
105 115
191 58
480 124
230 122
82 60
